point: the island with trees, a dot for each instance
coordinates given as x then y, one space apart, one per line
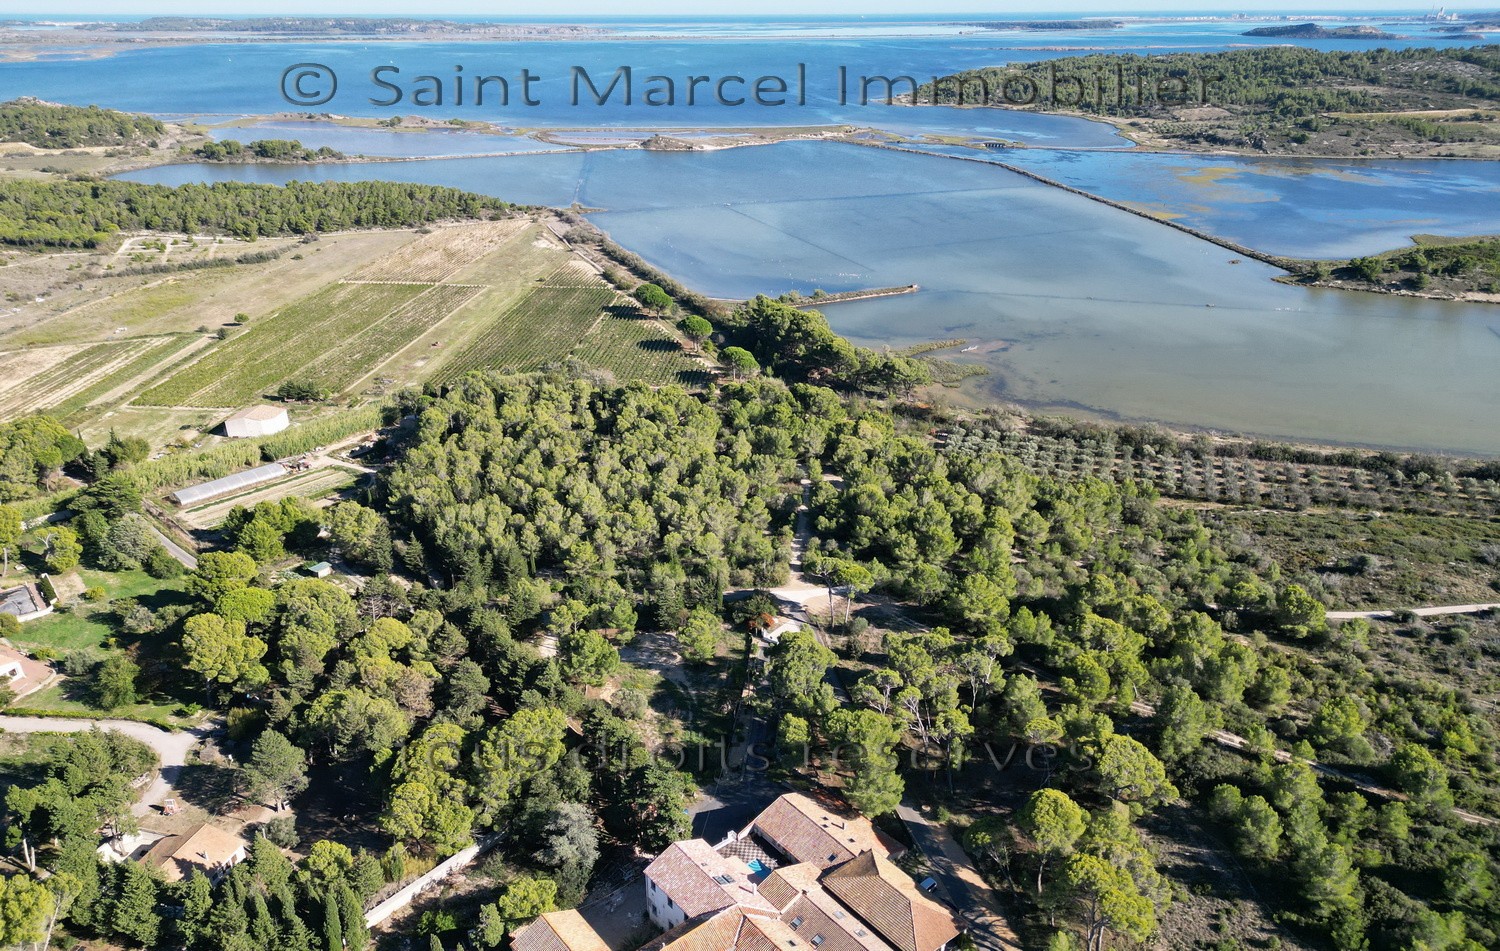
1277 100
1314 31
1443 267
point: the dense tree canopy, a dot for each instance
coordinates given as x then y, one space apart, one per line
50 126
86 214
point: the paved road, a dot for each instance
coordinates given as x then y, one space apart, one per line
171 748
1419 612
183 556
959 882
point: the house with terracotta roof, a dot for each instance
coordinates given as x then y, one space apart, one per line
819 879
886 899
558 931
811 911
689 880
21 673
799 828
205 848
723 930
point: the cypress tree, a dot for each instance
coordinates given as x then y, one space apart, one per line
333 931
133 912
356 935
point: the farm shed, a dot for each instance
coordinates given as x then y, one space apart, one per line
204 491
259 420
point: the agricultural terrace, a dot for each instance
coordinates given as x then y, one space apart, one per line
498 294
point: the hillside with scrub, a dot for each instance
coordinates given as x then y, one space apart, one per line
1277 100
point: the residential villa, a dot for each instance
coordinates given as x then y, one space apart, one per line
802 876
205 848
689 880
558 931
805 830
20 673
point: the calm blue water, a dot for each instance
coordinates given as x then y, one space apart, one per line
382 142
1076 305
245 79
1314 208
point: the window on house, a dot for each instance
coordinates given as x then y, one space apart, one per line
797 922
817 940
669 902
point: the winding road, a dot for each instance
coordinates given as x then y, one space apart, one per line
171 749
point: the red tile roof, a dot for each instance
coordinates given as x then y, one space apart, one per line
886 898
810 831
701 881
558 931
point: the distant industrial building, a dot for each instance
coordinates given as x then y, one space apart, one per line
259 420
204 491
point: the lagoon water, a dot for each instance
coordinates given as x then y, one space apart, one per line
382 142
1075 305
1079 306
1307 208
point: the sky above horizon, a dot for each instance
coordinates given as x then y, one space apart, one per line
570 8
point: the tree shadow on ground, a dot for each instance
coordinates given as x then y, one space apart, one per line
211 787
660 345
339 804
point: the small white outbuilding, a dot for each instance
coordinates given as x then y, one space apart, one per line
259 420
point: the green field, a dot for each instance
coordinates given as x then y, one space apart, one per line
92 371
491 296
564 318
69 698
86 624
540 328
345 319
636 349
164 349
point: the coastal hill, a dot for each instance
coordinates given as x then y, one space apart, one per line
47 125
1282 100
1312 31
